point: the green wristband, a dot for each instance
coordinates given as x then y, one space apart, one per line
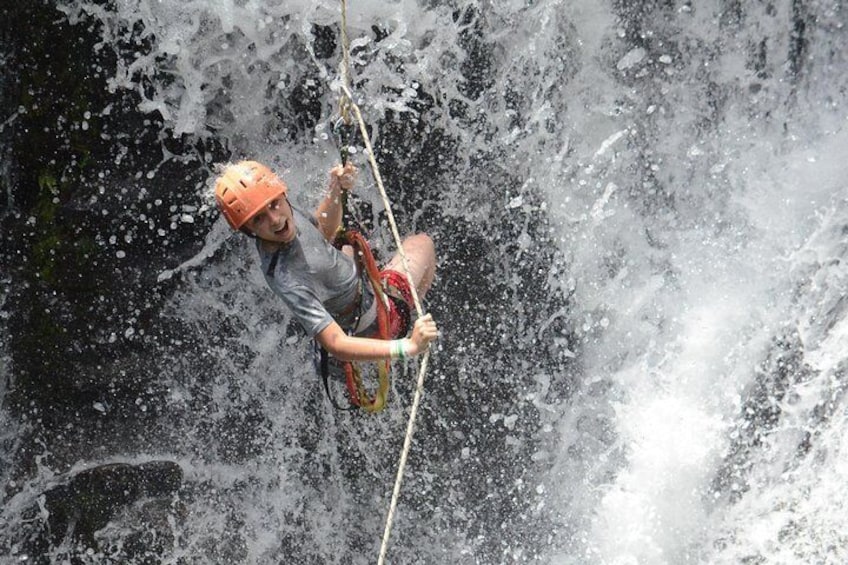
397 349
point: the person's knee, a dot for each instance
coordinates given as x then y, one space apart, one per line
425 246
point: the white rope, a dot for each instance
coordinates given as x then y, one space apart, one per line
375 171
419 388
344 101
407 442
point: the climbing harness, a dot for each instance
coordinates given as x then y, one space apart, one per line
353 374
366 264
367 267
389 295
346 105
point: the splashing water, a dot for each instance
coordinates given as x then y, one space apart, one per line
670 175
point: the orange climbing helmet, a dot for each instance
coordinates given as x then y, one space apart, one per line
243 189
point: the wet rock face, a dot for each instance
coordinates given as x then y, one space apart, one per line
68 516
91 213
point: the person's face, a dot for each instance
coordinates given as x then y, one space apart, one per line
275 222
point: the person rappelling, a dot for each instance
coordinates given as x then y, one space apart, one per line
323 285
319 268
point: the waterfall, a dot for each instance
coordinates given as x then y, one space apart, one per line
639 210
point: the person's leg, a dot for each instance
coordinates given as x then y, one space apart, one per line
421 260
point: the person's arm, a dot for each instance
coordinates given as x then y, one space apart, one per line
329 211
348 348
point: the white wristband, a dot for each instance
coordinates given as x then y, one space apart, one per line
399 349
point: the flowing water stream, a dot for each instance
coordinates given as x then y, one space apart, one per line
640 210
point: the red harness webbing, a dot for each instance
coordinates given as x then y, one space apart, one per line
365 259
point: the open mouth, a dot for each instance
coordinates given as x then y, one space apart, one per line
282 229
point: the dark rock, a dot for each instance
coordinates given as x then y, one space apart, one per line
72 512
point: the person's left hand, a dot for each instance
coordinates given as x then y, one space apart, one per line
423 332
343 177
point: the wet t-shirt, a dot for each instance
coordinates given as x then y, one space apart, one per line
316 281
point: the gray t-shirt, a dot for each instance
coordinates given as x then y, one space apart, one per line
316 281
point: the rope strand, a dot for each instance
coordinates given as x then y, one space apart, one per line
375 171
419 387
404 454
346 103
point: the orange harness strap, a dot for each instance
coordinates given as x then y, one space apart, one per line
353 377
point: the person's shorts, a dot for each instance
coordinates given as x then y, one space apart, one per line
400 302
